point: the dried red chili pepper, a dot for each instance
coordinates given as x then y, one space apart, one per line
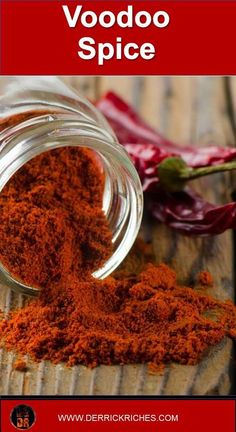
189 213
131 129
165 168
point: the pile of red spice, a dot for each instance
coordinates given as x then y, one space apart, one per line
53 234
51 219
144 318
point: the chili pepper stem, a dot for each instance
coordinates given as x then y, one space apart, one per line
193 173
174 173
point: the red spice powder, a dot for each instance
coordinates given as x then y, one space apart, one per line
146 318
51 219
20 365
205 278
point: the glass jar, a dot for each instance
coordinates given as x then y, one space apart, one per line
38 114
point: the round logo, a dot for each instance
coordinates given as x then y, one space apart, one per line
22 417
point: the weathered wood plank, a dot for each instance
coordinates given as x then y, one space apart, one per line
231 84
85 85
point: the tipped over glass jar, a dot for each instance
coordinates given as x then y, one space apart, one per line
39 114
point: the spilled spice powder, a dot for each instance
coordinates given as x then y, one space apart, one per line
146 318
20 365
205 278
51 219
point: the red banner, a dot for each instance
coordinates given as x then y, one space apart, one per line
101 37
116 415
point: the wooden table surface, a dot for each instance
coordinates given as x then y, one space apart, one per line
196 110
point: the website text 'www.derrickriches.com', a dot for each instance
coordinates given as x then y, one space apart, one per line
118 417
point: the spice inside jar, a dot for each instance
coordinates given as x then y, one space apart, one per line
51 220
